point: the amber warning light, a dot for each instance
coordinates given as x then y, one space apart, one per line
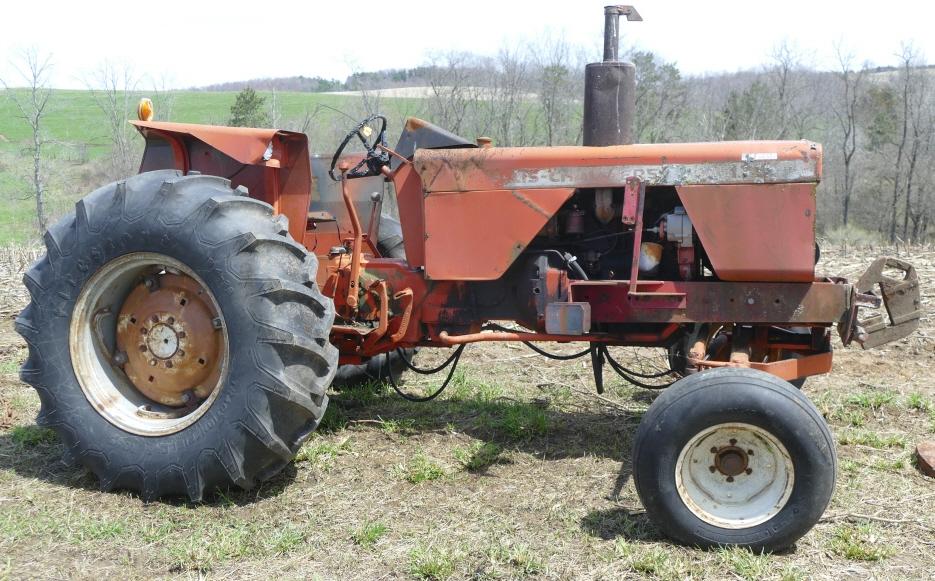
145 109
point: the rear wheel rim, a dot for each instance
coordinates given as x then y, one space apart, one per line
148 344
734 475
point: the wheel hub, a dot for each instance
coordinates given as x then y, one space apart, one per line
168 331
730 460
163 341
734 475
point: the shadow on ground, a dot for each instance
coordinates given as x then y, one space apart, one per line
539 428
619 522
33 452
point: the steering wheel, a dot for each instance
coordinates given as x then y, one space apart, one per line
376 157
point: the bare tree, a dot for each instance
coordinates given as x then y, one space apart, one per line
275 109
920 143
846 112
556 88
163 97
506 100
660 98
907 64
452 93
113 87
34 69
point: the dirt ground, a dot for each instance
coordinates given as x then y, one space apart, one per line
518 471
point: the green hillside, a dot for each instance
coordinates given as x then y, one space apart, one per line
74 118
79 142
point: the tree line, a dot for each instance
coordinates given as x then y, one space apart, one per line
877 123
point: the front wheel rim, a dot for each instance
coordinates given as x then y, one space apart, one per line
734 475
148 344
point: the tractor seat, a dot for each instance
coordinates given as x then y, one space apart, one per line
419 134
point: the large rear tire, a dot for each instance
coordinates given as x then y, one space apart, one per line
233 329
734 457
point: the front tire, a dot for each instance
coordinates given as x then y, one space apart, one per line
222 287
734 457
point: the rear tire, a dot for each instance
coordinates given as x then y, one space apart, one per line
276 324
700 483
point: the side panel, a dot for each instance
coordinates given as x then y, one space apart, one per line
477 235
762 232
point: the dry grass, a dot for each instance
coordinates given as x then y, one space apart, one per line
516 472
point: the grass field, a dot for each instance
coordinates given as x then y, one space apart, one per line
518 471
78 141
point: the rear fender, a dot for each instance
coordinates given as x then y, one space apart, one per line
272 164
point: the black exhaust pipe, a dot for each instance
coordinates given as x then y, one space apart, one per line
610 87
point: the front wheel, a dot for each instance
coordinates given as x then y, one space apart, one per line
177 340
734 457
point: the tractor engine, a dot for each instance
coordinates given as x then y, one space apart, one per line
590 231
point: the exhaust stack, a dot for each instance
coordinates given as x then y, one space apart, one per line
610 87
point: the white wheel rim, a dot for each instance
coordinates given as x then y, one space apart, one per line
106 388
734 475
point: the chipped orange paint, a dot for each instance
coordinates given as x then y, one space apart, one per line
762 233
477 235
278 162
591 167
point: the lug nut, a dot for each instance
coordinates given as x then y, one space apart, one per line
749 452
749 470
730 478
120 358
714 449
712 468
733 441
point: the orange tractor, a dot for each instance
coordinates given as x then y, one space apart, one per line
186 322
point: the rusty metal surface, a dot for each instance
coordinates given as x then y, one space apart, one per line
567 318
273 165
609 103
246 145
901 299
419 134
173 349
755 232
451 340
788 369
612 16
737 162
477 235
714 302
357 244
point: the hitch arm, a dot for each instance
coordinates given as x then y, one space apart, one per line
900 297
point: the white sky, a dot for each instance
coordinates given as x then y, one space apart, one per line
199 42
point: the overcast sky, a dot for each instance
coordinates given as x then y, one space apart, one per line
199 42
